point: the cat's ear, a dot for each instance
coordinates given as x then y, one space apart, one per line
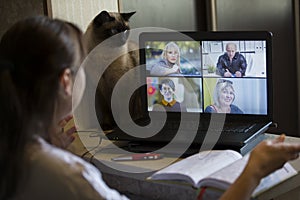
126 16
102 18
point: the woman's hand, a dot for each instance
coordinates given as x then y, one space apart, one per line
271 155
175 69
65 133
265 158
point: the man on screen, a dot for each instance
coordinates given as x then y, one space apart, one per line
231 63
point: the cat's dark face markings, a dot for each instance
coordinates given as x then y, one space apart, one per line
109 24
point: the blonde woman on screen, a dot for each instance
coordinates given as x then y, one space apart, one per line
169 63
223 98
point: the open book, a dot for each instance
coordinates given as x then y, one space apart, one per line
218 169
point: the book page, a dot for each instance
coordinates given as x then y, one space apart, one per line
196 167
223 178
226 175
286 172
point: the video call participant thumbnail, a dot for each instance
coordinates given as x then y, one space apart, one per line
223 98
231 63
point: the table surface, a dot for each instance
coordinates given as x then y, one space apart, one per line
130 177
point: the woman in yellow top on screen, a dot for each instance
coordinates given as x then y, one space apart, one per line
169 63
224 96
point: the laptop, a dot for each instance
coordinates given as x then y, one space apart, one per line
194 112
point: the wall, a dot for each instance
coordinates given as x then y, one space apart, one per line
297 29
80 12
171 14
14 10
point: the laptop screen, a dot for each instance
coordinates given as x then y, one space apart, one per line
209 72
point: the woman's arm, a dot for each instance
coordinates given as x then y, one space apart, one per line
161 69
210 109
267 157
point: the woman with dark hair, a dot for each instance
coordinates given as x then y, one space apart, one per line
39 58
168 101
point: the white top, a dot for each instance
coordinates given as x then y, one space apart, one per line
57 174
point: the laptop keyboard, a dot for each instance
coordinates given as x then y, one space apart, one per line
171 128
203 127
238 129
227 128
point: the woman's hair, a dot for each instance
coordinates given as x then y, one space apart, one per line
171 45
33 55
168 82
220 86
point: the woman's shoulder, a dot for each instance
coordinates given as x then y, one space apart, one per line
161 63
235 109
210 109
45 153
63 174
159 68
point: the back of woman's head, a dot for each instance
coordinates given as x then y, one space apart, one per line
37 50
33 55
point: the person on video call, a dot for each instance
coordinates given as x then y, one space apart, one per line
231 63
167 90
223 98
169 63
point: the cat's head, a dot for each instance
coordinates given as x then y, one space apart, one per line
107 24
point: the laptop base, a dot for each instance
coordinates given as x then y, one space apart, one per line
145 147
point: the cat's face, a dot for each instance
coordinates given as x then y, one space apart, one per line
107 24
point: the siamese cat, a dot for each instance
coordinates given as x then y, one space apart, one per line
103 26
